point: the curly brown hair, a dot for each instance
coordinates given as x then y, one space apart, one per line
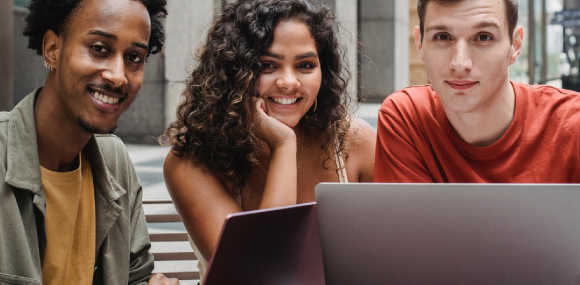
217 123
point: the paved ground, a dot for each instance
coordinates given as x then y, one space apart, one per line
148 161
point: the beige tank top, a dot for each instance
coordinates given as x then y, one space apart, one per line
202 263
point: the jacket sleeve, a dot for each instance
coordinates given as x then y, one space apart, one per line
396 157
141 264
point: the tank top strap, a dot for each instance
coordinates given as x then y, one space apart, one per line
342 177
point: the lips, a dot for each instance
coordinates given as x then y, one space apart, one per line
105 101
461 84
285 101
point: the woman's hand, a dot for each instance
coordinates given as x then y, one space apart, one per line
272 131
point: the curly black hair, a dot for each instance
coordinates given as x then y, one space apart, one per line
217 123
56 14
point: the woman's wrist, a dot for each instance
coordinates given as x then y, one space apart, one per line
286 143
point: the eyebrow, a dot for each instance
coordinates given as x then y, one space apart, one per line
437 28
274 55
306 55
487 24
298 57
113 37
103 34
480 25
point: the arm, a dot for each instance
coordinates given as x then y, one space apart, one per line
202 198
362 151
396 157
282 176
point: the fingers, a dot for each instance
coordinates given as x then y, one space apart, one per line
160 279
261 105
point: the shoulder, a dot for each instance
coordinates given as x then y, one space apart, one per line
360 131
545 92
112 147
409 101
551 101
116 157
361 137
178 170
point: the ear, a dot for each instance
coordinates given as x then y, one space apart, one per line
51 48
517 44
418 42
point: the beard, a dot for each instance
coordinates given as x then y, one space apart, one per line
89 128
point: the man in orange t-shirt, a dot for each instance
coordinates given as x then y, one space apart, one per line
472 124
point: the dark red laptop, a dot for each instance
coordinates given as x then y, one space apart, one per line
272 246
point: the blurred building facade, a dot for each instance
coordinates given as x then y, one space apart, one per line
377 36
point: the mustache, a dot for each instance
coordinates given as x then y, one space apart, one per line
108 88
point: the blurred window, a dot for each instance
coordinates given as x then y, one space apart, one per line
21 3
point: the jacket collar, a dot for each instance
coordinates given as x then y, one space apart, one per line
23 166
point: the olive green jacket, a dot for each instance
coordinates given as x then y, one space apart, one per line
122 241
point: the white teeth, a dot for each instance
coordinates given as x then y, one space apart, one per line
285 101
105 98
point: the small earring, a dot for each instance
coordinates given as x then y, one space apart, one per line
48 65
315 105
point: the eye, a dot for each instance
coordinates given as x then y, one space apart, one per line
306 65
100 49
442 37
135 58
266 66
484 38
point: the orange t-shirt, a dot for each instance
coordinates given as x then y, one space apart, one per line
416 143
70 225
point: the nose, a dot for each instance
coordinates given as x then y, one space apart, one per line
461 60
288 81
115 71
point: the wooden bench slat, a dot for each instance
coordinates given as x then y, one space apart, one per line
182 275
163 218
170 256
165 256
168 237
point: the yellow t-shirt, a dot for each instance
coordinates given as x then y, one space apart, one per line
70 225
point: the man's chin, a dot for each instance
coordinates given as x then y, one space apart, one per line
93 129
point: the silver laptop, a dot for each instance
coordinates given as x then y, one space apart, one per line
272 246
449 233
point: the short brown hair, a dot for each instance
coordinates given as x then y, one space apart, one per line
511 11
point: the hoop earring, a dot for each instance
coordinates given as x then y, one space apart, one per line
48 65
315 105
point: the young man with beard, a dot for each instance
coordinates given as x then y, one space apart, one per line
472 124
70 200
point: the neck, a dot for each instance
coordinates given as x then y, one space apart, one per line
59 137
488 124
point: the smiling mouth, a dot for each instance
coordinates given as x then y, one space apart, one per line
285 101
104 98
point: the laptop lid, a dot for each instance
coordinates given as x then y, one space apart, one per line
272 246
449 233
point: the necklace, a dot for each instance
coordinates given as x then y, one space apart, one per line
299 157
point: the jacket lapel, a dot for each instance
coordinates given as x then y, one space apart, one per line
22 163
107 191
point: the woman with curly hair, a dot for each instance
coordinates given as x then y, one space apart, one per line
265 118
